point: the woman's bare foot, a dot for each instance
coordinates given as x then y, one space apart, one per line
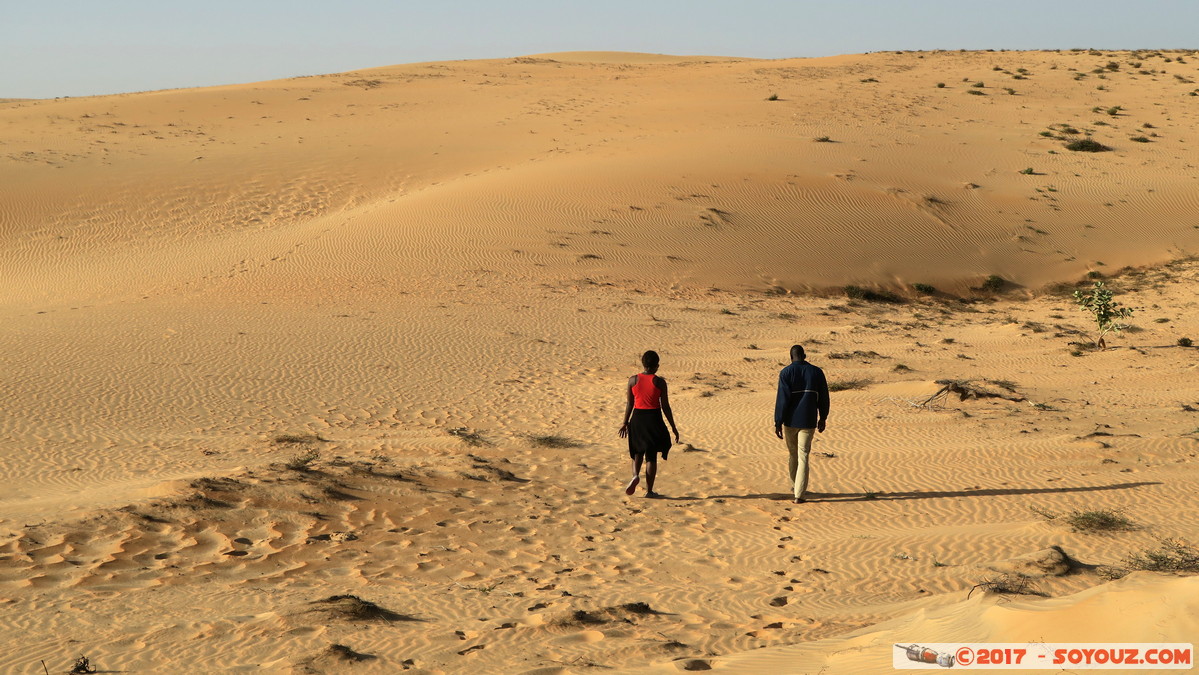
632 487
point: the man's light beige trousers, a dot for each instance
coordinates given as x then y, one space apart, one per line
799 444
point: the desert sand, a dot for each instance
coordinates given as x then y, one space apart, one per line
324 374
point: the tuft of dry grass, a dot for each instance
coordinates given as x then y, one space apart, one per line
364 83
859 293
1171 555
553 441
1007 584
471 438
1097 520
295 439
302 462
354 608
341 652
846 385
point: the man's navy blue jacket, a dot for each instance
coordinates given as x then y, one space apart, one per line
803 392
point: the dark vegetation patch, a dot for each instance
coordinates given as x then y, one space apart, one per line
471 438
629 612
1086 145
1008 584
343 653
553 441
869 295
1172 555
856 354
354 608
1097 520
846 385
293 439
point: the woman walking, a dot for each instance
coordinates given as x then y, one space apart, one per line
646 400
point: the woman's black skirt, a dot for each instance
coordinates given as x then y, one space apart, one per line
648 436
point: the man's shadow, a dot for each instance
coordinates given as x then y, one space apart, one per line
932 494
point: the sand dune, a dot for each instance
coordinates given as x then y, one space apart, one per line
324 374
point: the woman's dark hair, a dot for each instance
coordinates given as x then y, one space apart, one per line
649 359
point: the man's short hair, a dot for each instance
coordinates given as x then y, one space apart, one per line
649 359
797 352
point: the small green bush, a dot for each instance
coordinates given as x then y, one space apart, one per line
772 97
1185 342
1087 145
1028 172
924 289
1139 139
1114 110
822 139
940 85
975 92
1107 312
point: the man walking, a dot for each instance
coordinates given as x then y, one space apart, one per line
800 409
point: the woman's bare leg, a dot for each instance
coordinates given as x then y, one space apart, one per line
632 486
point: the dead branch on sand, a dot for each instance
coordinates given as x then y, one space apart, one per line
967 389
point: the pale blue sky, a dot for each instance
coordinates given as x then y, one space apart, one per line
72 48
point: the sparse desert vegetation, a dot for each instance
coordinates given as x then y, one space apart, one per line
1171 555
870 295
1092 520
553 441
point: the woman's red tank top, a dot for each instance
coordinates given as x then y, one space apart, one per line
645 393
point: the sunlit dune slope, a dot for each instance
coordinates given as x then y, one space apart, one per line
673 170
